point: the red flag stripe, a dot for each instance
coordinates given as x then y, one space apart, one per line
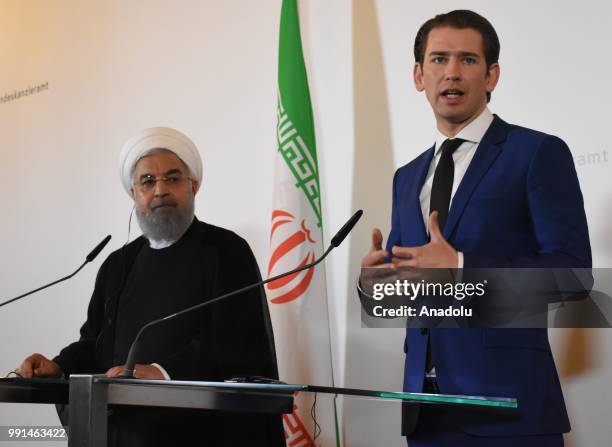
279 213
277 224
287 279
296 239
300 288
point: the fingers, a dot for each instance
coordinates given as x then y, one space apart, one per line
386 265
30 367
374 258
115 371
437 254
405 252
377 240
407 256
412 263
140 372
37 365
148 372
25 369
434 228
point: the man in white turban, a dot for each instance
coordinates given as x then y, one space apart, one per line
177 263
161 225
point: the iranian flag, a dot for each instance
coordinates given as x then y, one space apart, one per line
298 303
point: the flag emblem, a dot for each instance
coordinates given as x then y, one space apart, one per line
293 286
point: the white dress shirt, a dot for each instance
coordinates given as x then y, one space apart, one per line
472 134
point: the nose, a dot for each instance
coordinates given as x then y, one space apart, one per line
161 189
453 69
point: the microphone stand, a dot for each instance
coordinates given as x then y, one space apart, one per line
130 363
90 257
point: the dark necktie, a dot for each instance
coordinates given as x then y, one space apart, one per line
442 185
441 190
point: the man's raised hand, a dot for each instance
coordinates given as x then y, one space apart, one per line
438 253
377 255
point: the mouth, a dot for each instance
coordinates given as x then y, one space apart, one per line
163 206
452 93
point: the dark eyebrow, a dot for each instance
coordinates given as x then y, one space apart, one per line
461 53
146 175
173 171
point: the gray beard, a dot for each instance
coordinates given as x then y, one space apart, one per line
163 227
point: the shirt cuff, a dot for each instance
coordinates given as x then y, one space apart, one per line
459 274
161 370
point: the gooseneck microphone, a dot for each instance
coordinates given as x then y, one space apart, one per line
90 257
130 363
346 229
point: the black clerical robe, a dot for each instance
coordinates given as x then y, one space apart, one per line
138 284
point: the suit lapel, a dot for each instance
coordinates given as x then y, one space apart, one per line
486 153
414 208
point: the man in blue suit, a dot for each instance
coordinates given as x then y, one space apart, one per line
488 194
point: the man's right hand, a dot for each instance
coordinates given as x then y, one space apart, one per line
37 365
372 265
377 255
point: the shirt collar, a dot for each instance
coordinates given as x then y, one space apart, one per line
473 132
158 245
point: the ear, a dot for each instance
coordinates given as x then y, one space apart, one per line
492 77
132 192
417 74
194 186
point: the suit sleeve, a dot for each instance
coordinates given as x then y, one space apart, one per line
243 323
556 214
79 357
236 334
394 235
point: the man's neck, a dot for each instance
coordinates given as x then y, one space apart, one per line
452 129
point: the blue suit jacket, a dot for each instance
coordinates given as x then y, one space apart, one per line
518 205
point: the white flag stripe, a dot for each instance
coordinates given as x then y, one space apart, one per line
298 305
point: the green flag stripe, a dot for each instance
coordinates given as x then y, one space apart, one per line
295 130
299 160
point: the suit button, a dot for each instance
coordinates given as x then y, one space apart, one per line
109 321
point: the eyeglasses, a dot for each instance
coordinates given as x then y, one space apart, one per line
147 183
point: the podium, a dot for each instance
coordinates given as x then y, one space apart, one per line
89 396
34 391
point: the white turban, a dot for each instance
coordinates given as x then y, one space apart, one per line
158 138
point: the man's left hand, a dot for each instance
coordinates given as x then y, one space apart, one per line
436 254
140 372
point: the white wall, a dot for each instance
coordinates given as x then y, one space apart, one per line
208 68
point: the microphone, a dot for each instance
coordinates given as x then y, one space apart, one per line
96 251
346 229
130 363
90 257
